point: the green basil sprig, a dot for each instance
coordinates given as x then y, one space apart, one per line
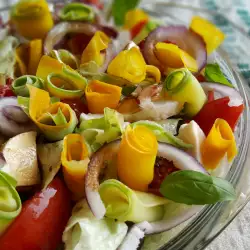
213 73
195 188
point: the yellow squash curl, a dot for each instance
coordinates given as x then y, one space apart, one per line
136 157
75 159
220 141
54 120
100 95
32 18
130 65
93 51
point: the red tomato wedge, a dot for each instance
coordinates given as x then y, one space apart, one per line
218 109
41 222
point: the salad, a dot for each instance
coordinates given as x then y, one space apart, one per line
109 120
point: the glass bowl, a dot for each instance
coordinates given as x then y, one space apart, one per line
200 230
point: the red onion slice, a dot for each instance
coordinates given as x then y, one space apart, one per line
58 32
15 113
13 119
223 91
109 55
186 39
96 165
181 159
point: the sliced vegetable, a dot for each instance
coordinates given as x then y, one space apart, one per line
162 135
21 159
76 12
20 84
32 18
195 188
7 56
107 95
98 131
220 141
46 213
48 65
86 232
182 86
49 156
40 111
67 85
130 65
212 35
64 56
136 157
35 54
75 159
58 32
14 121
171 56
213 73
126 204
185 39
99 162
218 109
95 48
192 133
11 204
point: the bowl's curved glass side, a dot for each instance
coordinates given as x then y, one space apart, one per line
199 231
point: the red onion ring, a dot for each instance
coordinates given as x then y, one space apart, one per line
223 90
57 33
15 113
109 55
180 158
96 164
14 121
186 39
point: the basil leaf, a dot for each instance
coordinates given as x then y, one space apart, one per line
213 73
195 188
120 8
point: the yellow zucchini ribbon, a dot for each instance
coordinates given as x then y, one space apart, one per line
75 159
136 157
130 65
54 120
212 36
171 56
220 141
93 51
100 95
28 57
32 18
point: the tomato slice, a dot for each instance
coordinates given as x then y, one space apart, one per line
218 109
41 222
